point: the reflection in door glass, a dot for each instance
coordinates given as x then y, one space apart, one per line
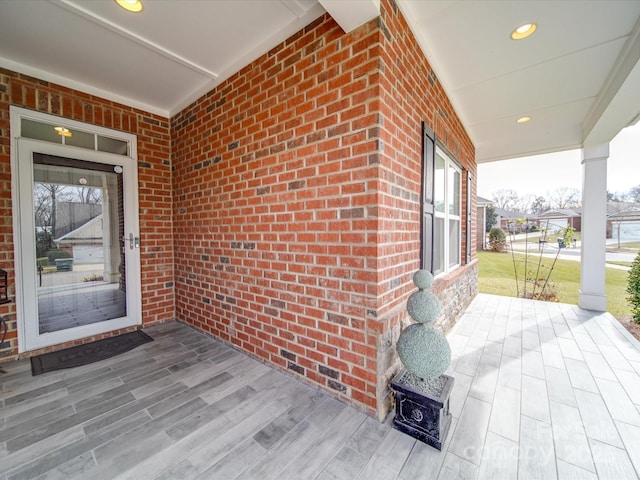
78 211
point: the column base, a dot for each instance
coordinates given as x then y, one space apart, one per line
592 301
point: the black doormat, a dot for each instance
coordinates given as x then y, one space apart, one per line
88 353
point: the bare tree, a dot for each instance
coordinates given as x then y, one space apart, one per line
89 195
505 199
42 205
525 203
46 197
634 194
564 197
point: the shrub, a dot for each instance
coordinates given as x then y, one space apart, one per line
633 289
53 254
42 262
540 289
497 240
567 235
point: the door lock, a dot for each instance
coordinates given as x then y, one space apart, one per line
134 242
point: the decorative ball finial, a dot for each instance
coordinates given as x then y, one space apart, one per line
423 279
426 352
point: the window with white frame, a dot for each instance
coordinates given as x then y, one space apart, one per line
441 208
447 213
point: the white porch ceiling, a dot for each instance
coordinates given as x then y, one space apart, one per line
578 76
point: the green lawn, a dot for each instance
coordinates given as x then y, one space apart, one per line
496 276
534 237
629 247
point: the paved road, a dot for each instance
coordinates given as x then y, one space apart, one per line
573 253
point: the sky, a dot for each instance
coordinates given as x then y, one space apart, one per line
542 173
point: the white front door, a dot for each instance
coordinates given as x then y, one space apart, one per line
73 199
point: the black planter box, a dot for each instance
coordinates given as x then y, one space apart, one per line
423 412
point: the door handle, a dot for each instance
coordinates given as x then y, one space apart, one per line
134 242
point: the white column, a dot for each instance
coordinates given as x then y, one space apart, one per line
110 232
594 228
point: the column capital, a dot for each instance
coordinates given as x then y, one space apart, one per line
594 152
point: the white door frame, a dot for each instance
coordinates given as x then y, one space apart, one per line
29 337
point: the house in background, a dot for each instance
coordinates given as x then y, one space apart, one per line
558 219
73 215
481 208
513 222
624 224
277 173
85 243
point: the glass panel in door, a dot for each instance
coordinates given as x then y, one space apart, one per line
78 252
79 226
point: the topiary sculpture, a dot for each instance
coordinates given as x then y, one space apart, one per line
422 389
422 348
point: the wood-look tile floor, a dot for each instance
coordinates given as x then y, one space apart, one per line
542 391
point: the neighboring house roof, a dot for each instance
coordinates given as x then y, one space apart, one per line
561 213
483 202
629 214
89 232
72 215
617 207
508 214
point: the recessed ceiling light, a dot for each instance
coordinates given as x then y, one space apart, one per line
523 119
134 6
523 31
65 132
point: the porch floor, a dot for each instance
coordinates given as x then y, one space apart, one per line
542 391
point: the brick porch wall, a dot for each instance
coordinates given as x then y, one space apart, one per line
296 190
275 220
154 189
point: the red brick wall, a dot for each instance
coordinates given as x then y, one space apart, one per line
296 192
410 93
276 208
154 176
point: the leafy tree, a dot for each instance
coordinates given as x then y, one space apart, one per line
539 205
497 240
633 289
491 217
44 242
